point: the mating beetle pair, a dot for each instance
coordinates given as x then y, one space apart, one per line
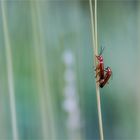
103 74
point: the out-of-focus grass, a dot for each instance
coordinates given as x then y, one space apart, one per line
40 32
9 69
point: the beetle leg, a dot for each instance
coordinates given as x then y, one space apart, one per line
97 81
97 73
97 67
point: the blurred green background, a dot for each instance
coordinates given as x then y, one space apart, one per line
47 85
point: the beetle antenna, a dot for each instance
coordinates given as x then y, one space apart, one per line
101 51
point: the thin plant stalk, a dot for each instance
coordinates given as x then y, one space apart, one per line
9 73
95 53
47 85
38 71
42 75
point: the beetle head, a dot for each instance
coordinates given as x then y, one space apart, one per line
108 69
100 58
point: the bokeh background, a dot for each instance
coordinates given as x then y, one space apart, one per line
47 85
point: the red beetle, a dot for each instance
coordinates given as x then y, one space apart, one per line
107 76
100 71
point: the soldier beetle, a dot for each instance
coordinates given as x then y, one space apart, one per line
107 76
100 71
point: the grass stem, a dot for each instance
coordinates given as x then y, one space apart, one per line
44 87
95 52
9 72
